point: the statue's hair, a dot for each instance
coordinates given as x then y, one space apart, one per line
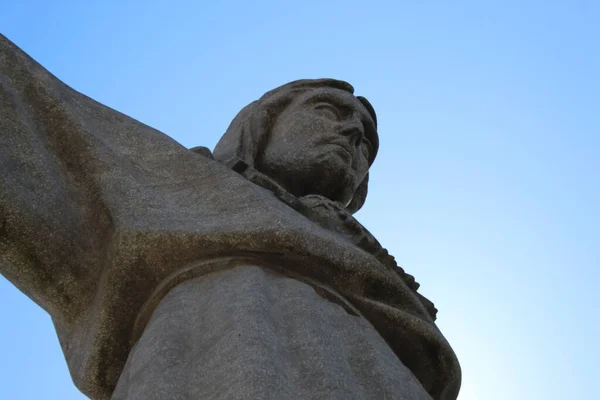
249 132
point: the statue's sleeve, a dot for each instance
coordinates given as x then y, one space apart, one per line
52 221
71 170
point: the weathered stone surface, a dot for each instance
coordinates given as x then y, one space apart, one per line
101 216
248 333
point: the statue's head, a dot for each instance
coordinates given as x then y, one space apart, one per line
309 136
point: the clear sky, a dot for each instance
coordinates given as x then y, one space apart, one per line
486 185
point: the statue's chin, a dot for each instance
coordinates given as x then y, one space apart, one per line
325 173
331 177
336 188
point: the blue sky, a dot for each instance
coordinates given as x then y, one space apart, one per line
486 184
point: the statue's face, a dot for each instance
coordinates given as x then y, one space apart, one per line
320 145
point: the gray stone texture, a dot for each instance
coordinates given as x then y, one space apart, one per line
249 333
122 235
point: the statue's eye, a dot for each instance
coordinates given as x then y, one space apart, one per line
328 111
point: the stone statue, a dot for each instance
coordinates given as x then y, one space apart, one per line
175 273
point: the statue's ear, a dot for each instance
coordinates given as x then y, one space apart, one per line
359 196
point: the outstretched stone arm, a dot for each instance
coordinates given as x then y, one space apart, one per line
52 223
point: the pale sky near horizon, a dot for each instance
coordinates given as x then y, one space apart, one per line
485 188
